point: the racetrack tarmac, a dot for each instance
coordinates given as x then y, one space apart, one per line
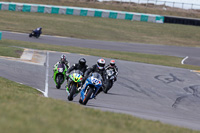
170 95
192 52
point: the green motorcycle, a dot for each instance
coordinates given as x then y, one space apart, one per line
59 74
74 82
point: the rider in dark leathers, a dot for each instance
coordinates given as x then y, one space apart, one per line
113 66
38 31
81 65
99 68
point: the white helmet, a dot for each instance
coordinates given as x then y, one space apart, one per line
101 63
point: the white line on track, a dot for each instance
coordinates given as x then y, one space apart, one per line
47 75
19 83
40 91
182 62
56 36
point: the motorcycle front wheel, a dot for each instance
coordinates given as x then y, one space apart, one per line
72 92
59 80
88 95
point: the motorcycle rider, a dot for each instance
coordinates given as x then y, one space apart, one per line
63 60
99 68
37 31
113 66
81 65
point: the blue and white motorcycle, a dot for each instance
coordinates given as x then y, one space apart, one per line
90 88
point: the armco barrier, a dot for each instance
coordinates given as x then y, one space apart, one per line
81 12
181 20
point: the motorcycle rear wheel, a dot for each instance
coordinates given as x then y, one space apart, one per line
30 35
108 87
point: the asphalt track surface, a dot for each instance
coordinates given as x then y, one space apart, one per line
170 95
192 52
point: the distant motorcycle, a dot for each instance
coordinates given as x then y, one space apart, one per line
59 74
110 75
74 82
36 33
90 88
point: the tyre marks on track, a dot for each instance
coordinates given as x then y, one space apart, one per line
133 86
149 92
167 79
191 91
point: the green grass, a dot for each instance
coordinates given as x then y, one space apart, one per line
101 29
24 110
129 56
10 51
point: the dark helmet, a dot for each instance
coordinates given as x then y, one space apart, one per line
112 63
63 58
82 61
101 63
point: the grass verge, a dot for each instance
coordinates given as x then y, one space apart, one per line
101 29
24 110
10 51
129 56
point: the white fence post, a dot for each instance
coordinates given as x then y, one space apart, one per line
147 3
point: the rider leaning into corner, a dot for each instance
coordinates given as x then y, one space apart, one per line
81 65
99 68
38 31
63 60
113 67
